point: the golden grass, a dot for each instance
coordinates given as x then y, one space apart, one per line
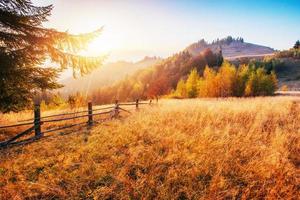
181 149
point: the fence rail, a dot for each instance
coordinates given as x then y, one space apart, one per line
37 121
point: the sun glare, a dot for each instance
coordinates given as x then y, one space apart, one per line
101 45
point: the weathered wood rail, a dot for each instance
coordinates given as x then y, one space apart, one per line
38 121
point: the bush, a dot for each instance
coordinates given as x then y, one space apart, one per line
76 100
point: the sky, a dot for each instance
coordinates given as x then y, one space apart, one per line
133 29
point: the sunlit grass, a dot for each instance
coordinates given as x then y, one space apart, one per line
180 149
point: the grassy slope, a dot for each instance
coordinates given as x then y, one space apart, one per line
196 149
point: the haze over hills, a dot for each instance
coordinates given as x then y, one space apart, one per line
106 75
110 73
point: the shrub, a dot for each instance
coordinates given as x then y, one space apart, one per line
76 100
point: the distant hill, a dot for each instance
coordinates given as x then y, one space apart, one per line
231 48
106 75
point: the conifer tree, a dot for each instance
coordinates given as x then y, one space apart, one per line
25 48
297 45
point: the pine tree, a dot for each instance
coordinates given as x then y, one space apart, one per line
25 46
297 45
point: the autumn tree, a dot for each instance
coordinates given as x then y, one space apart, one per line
76 100
225 79
25 46
206 84
213 59
181 89
209 57
158 87
192 84
229 81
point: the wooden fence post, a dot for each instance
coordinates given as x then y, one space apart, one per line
116 110
137 104
90 112
37 120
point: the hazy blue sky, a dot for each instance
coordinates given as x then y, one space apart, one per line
133 29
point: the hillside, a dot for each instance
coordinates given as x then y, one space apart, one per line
156 80
112 72
231 48
181 149
106 75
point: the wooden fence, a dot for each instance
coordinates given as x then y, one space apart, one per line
38 121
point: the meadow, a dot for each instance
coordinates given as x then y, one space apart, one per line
226 148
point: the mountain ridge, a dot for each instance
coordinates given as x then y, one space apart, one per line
112 72
106 75
230 47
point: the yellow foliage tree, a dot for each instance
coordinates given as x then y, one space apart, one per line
192 84
181 89
207 84
225 79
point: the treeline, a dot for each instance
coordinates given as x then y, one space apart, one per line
227 81
50 100
269 64
158 80
291 53
224 41
227 41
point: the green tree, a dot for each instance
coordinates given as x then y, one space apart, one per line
260 83
25 46
242 77
192 84
297 45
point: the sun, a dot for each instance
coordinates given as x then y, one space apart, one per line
101 45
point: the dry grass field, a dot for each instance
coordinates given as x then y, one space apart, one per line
181 149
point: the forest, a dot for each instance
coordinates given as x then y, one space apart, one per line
186 76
